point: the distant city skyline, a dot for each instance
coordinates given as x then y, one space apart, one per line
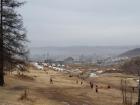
82 22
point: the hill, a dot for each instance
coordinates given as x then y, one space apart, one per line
60 53
131 53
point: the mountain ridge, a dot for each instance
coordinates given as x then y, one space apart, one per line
131 53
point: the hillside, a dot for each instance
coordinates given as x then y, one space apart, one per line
63 91
131 53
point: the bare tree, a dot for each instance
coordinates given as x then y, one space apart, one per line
126 92
133 67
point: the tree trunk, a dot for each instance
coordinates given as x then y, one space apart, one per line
1 78
1 47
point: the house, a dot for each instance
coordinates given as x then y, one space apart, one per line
37 66
92 75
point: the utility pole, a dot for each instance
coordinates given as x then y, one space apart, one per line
1 47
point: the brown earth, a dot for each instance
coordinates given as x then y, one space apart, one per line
63 91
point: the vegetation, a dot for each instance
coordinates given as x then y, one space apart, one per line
13 37
133 67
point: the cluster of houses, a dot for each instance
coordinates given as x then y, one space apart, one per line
39 66
61 67
112 61
96 72
54 66
57 68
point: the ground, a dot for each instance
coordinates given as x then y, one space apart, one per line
63 91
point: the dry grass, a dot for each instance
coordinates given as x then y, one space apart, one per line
64 91
24 77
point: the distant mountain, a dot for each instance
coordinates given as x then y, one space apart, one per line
78 52
131 53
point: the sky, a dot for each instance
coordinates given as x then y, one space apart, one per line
82 22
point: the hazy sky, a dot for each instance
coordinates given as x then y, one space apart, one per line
82 22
